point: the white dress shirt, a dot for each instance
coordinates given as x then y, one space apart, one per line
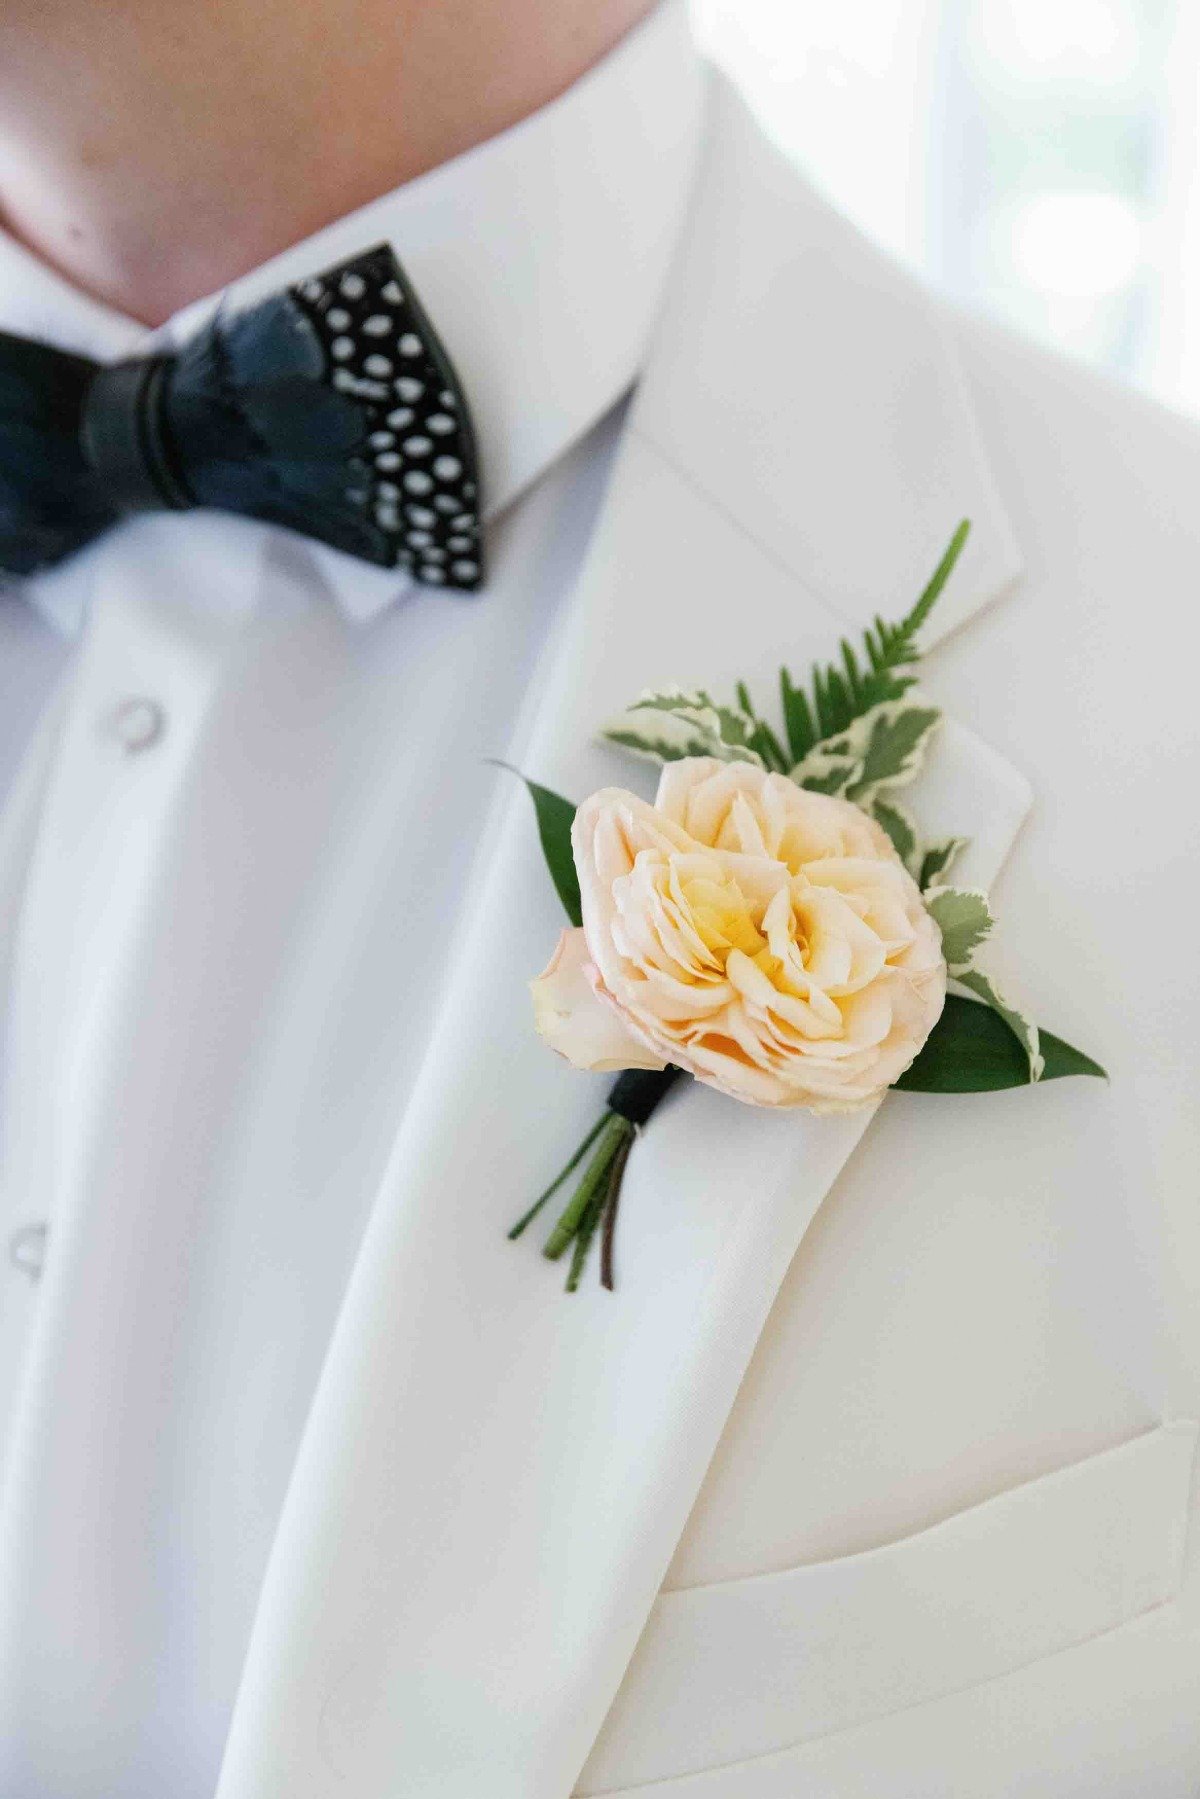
254 802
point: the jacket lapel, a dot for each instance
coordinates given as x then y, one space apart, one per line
810 390
494 1476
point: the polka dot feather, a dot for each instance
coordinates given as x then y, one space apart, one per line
381 350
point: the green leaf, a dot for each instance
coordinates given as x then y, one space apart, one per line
972 1050
555 816
964 918
841 695
925 862
797 717
900 828
768 748
837 711
762 738
826 777
938 858
895 744
883 749
1018 1022
903 635
668 726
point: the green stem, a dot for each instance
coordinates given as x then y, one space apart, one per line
558 1180
599 1209
588 1226
611 1203
611 1134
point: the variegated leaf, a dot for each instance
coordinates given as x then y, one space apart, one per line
964 918
938 859
672 724
896 739
826 775
880 751
901 828
1019 1023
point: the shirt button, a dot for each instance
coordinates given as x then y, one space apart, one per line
27 1249
136 724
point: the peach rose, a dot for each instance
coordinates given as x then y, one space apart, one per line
766 939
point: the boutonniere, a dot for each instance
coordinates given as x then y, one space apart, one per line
773 924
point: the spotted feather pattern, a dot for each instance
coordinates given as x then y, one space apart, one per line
417 471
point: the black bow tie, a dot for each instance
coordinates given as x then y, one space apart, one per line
331 408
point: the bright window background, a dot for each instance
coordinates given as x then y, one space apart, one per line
1038 159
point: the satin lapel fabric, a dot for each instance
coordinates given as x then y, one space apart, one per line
494 1475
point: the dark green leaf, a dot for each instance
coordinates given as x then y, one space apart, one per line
972 1050
839 711
762 739
899 827
839 696
820 703
555 816
941 574
797 717
875 638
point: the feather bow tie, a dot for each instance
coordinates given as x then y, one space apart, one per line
331 408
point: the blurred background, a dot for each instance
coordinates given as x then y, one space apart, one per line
1036 159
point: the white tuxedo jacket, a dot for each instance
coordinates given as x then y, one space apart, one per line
875 1475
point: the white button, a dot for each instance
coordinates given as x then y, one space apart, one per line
27 1250
136 724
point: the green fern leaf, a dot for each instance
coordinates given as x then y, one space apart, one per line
841 695
839 710
854 679
798 721
902 644
762 738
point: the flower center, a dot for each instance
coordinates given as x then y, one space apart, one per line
722 918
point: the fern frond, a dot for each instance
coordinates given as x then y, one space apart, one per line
897 643
799 724
762 738
840 695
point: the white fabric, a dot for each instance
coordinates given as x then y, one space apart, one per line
974 1378
742 1668
555 1496
991 1253
1000 1294
228 944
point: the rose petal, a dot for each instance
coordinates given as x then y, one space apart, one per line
766 938
574 1018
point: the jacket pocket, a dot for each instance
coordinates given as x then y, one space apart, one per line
748 1667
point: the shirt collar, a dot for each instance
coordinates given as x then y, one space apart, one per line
540 256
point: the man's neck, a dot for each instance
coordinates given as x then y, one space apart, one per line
154 151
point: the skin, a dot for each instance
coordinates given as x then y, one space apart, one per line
153 150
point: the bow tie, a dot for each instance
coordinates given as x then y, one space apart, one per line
331 408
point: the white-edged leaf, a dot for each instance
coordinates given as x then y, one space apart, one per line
829 767
897 737
671 724
1019 1023
880 751
901 828
827 775
938 859
964 918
